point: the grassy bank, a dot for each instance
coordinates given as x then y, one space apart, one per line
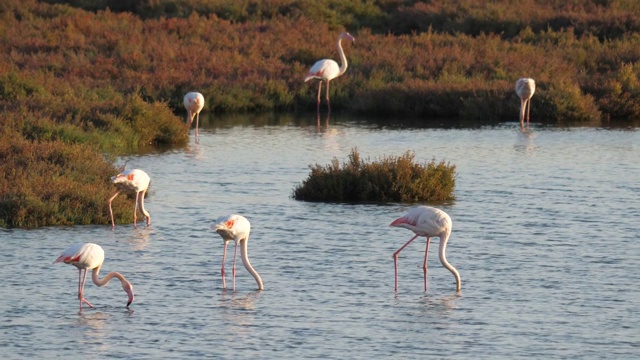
108 76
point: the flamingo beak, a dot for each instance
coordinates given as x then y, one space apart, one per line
399 221
130 294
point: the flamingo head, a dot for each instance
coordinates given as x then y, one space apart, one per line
400 222
128 288
346 35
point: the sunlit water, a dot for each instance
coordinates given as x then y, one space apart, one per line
545 236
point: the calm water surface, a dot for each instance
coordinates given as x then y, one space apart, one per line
545 236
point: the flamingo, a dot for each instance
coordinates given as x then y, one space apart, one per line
236 228
427 221
193 102
525 87
327 69
136 181
88 256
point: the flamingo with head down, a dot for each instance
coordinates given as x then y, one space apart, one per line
525 88
193 102
136 181
236 228
88 256
428 222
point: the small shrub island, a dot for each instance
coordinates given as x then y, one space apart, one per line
390 179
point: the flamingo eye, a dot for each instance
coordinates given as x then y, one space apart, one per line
229 223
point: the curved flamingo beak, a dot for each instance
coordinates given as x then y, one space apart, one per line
399 221
130 295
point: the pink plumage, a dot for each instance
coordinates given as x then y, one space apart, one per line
135 181
236 228
327 69
525 88
193 102
88 256
428 222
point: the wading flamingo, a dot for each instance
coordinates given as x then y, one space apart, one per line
193 102
236 228
327 69
136 181
427 221
87 256
525 87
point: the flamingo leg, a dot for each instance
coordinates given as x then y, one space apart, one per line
319 92
197 121
395 259
233 271
424 265
328 101
224 258
135 210
113 224
189 117
523 104
81 282
528 109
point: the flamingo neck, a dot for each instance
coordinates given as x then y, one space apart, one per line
443 259
247 264
343 58
105 280
144 211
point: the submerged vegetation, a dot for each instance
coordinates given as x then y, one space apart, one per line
390 179
106 77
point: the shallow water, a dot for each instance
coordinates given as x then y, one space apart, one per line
545 237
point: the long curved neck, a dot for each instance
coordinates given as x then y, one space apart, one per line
105 280
144 211
443 259
247 264
343 58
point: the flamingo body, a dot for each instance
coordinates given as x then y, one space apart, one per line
428 222
327 69
88 256
525 88
135 181
236 228
193 102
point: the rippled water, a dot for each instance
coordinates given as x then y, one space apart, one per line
545 236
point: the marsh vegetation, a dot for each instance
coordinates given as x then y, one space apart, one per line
82 81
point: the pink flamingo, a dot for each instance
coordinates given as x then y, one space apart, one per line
525 87
193 102
87 256
427 221
136 181
236 228
327 69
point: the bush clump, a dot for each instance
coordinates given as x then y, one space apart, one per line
390 179
53 183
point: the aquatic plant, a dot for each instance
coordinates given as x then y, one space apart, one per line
389 179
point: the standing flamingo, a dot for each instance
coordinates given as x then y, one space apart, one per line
136 181
427 221
87 256
525 87
327 69
193 102
236 228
